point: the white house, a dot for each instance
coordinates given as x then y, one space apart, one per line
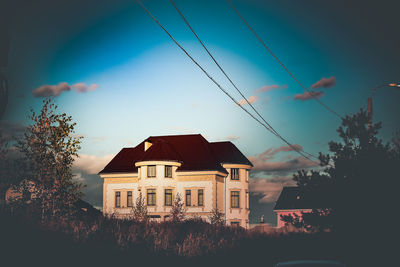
206 175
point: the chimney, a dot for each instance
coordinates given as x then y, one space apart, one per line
147 145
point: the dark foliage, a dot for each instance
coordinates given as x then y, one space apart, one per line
111 242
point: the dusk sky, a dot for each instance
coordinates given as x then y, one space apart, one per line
122 79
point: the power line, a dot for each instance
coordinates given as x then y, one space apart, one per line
234 85
209 76
280 62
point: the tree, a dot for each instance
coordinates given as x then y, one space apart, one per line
357 179
216 217
49 148
139 210
177 210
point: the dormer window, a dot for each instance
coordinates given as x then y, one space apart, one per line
168 171
151 171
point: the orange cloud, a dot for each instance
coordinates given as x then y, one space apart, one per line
252 99
325 83
308 95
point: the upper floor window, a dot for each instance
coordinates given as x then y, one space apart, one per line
235 174
151 171
129 202
151 197
168 171
235 199
200 197
168 197
118 199
188 198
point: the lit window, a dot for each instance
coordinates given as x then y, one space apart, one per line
118 199
235 174
168 171
151 171
129 202
168 197
200 197
151 197
188 198
235 199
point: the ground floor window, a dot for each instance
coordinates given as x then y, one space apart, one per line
200 197
188 197
235 223
151 197
129 202
168 197
235 199
118 199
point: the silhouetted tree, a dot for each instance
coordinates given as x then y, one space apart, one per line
356 181
140 209
177 210
216 217
49 148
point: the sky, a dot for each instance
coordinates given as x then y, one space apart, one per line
109 66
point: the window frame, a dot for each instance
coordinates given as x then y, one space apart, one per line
200 204
148 171
233 198
188 203
169 194
165 171
153 197
235 174
129 201
117 199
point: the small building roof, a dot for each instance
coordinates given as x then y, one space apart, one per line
292 198
193 151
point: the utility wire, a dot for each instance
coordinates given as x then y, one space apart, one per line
209 76
234 85
280 62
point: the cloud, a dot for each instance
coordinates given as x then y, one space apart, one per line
91 164
266 88
82 87
308 95
269 188
263 163
231 137
51 90
252 99
325 83
55 90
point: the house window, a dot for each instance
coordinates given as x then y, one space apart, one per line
118 199
188 198
129 202
151 171
168 171
200 197
247 199
235 174
168 197
235 199
237 224
151 197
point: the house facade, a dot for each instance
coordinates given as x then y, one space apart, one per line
206 175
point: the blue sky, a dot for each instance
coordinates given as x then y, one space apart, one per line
145 85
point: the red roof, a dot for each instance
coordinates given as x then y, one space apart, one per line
193 151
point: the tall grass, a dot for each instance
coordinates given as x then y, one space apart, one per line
106 241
